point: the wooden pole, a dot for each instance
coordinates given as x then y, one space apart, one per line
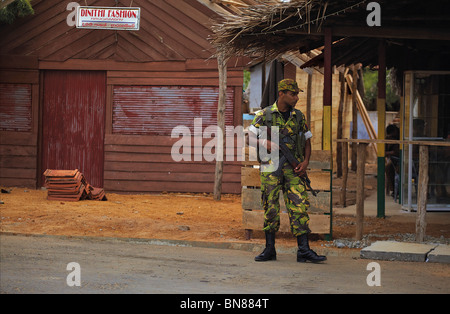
354 117
360 173
222 67
421 223
308 99
381 108
344 174
327 93
339 149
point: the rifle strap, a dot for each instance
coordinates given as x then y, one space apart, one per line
297 138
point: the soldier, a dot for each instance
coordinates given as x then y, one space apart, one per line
291 124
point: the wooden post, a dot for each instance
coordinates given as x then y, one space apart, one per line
344 173
339 149
308 99
354 117
421 223
327 93
381 108
360 173
222 67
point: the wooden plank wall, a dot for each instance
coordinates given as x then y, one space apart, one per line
144 164
19 150
194 72
18 159
169 30
170 49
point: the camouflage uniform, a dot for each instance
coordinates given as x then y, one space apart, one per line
294 191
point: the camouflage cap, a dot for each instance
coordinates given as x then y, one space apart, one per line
288 85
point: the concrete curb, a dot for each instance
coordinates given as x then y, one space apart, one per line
380 250
440 254
408 252
242 246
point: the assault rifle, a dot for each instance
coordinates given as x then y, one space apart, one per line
289 157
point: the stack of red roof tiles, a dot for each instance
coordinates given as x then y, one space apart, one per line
70 186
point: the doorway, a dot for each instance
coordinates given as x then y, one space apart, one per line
73 122
427 118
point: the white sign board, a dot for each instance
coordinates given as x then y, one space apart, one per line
108 18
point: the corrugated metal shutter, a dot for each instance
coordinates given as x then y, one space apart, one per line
15 107
157 110
73 122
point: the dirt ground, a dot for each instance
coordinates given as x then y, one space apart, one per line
174 216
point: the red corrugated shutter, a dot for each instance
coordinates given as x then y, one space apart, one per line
157 110
15 107
73 122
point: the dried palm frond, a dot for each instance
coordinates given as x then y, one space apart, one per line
270 28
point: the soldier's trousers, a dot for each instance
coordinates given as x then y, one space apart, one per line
295 198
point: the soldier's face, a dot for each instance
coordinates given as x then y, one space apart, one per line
289 98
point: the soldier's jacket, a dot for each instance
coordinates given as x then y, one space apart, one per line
294 192
295 125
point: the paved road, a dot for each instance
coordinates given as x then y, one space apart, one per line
39 265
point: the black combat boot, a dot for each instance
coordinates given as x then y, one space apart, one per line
269 252
305 254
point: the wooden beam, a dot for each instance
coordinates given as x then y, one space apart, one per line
383 32
400 142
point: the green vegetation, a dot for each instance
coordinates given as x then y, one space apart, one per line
18 8
371 90
246 79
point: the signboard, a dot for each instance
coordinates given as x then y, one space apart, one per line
108 18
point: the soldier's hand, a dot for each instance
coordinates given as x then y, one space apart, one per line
301 168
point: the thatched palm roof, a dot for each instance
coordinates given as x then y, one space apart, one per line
270 28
